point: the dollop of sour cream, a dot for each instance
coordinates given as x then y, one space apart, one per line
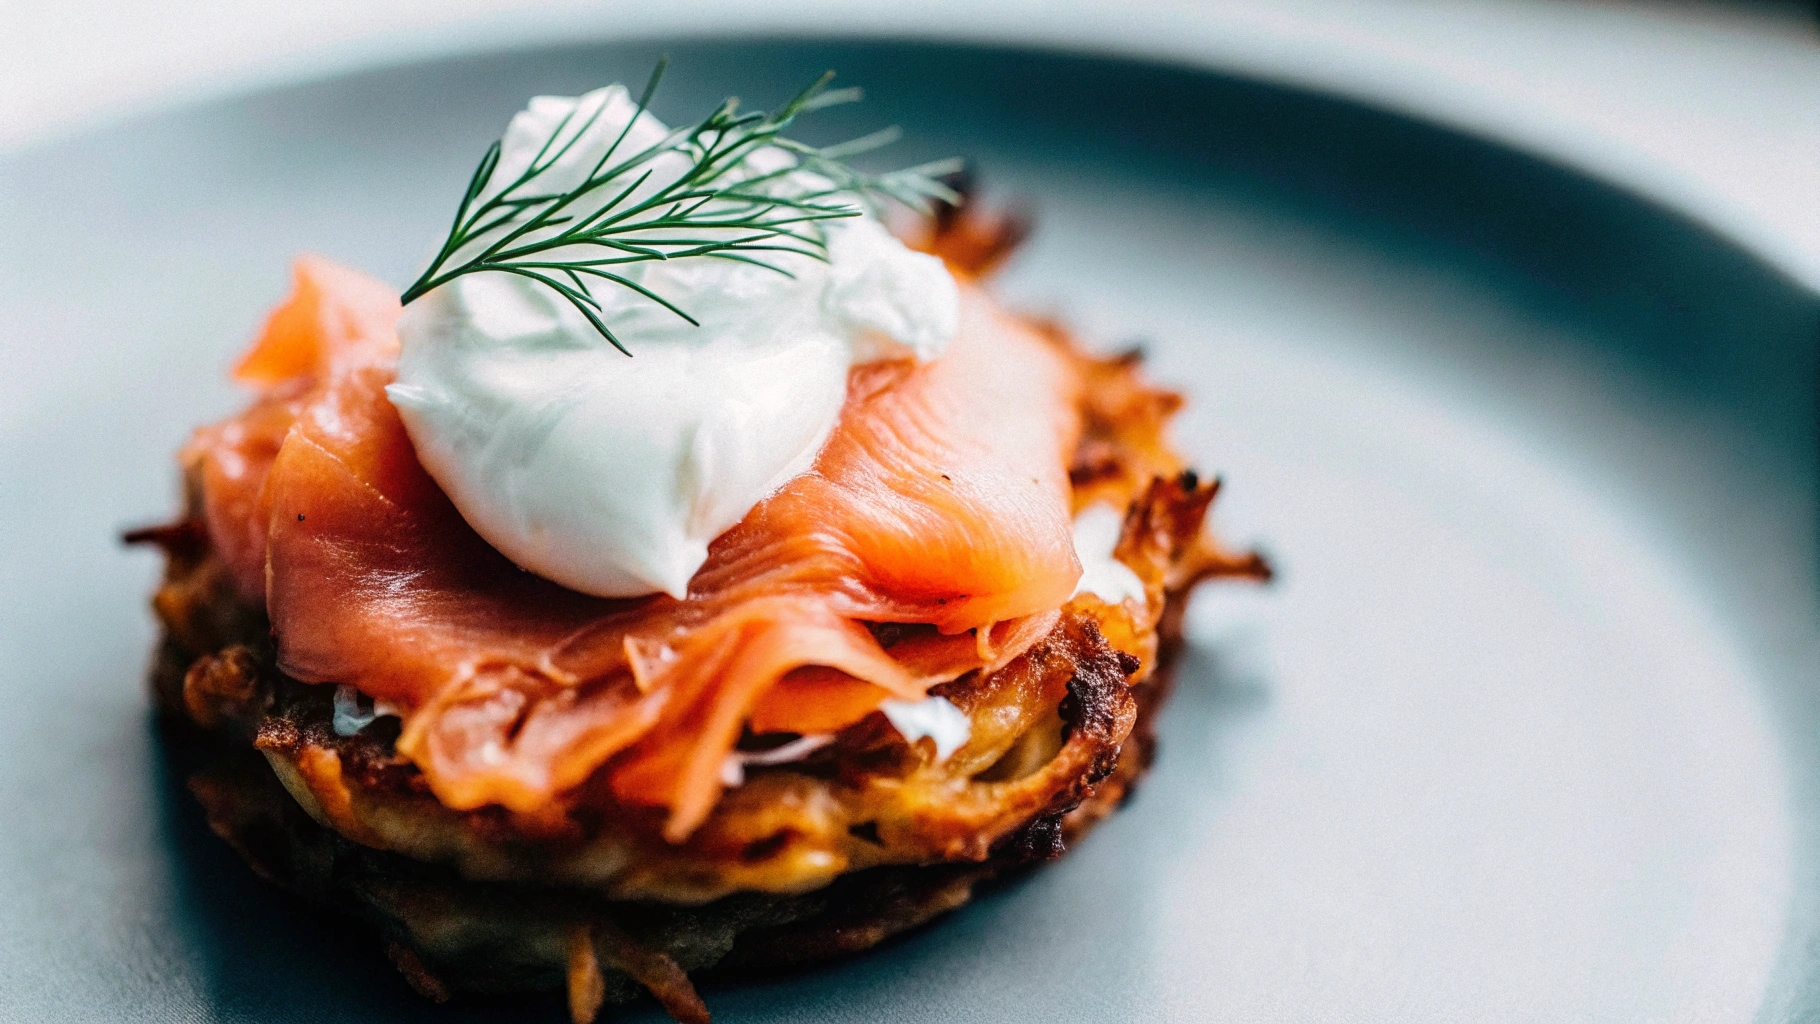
1096 536
934 717
610 475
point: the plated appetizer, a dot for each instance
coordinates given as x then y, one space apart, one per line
687 576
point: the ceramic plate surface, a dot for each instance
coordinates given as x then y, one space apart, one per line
1525 731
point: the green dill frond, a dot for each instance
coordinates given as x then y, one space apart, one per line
717 205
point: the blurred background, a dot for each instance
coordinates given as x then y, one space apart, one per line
1703 105
64 60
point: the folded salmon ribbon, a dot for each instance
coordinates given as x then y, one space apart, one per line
941 501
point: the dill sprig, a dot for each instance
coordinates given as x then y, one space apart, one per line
718 206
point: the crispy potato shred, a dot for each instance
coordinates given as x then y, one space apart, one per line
870 832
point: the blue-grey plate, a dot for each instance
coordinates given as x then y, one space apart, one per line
1525 731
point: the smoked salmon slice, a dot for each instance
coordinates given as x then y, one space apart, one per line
941 501
334 317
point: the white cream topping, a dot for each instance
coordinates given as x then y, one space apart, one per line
934 717
610 475
1096 534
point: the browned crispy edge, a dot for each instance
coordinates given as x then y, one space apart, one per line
509 937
